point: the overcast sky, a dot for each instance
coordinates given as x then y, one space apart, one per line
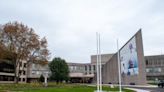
70 26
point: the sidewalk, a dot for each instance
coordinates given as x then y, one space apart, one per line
135 89
145 86
138 90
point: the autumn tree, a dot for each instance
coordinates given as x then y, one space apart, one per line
23 44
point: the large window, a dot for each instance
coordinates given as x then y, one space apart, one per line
6 67
153 70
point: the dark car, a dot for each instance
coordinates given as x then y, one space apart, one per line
161 84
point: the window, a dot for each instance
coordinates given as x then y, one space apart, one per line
23 79
153 70
33 72
89 67
159 62
20 64
24 72
20 71
147 70
94 67
37 72
146 62
85 68
25 64
33 66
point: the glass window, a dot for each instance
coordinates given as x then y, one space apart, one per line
25 65
24 72
147 70
33 72
23 79
94 67
33 66
85 68
89 67
146 62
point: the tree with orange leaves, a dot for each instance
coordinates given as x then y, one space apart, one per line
23 44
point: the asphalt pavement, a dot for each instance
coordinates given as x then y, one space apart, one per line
151 89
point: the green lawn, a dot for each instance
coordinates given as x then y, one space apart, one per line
51 88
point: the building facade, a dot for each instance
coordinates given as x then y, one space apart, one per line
7 72
86 73
35 70
131 58
154 67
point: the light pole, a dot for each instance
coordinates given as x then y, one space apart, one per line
45 74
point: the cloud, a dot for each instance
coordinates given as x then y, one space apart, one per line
71 25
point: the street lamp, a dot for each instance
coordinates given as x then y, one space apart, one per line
45 74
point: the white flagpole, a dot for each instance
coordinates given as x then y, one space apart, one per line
97 63
100 64
119 71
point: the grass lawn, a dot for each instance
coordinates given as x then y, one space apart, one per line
52 88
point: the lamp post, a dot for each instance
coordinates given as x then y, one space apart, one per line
45 74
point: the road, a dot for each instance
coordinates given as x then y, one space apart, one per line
151 89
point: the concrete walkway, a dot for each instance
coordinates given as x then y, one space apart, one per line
138 90
128 87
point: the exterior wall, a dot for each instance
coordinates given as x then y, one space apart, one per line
104 58
84 69
35 71
23 72
81 73
155 67
8 77
110 69
142 66
6 72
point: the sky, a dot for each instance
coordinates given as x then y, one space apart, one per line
70 26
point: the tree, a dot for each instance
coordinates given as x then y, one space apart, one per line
22 44
41 79
59 70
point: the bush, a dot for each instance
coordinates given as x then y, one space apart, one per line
41 79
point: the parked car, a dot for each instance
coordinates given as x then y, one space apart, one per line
161 84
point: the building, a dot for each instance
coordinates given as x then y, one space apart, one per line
7 72
35 70
85 73
133 69
81 73
132 64
154 67
104 58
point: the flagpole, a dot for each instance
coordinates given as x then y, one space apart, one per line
97 63
119 71
100 64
